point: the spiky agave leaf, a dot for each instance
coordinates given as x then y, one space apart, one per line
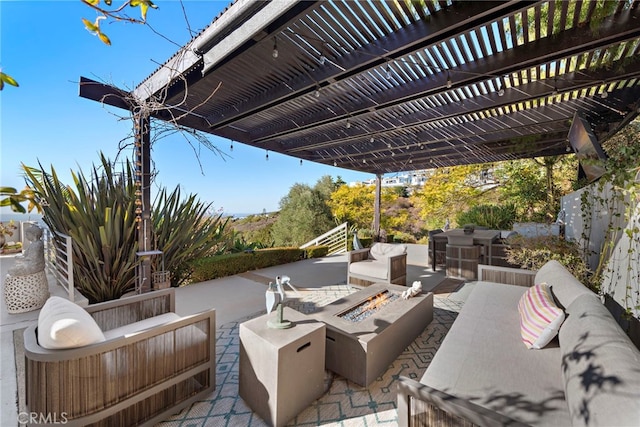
184 231
97 214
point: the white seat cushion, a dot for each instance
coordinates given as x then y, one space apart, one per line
140 325
64 324
371 268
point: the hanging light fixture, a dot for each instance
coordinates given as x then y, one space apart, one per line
317 92
500 88
348 125
266 157
335 163
275 48
388 71
449 82
300 162
231 147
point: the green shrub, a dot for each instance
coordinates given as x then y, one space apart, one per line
492 216
401 237
533 252
366 241
317 251
214 267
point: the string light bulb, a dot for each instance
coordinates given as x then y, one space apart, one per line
604 94
388 71
266 157
275 48
348 125
323 59
449 82
300 162
317 92
231 147
335 163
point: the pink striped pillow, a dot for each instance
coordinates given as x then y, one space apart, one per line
540 317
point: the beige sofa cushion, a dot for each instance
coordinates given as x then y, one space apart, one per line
482 359
601 367
372 268
565 287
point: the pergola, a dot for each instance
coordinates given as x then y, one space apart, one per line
399 85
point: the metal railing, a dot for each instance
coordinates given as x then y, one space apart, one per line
59 256
336 239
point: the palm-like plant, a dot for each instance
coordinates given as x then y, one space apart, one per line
184 231
98 215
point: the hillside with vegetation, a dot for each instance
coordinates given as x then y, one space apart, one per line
494 195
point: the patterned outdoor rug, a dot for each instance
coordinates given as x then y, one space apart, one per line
345 403
448 285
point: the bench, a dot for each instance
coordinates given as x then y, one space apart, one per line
484 375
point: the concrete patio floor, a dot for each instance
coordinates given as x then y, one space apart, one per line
234 298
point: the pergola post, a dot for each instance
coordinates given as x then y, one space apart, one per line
376 208
143 196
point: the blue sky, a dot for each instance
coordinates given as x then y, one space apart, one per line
45 47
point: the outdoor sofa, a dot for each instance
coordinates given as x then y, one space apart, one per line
132 361
381 263
483 374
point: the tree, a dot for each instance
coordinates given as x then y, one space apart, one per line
14 199
448 191
108 13
353 205
535 186
304 215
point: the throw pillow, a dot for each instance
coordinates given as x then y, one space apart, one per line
64 324
540 317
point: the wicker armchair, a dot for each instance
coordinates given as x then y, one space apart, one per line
138 378
382 263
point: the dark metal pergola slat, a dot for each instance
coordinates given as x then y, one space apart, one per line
406 85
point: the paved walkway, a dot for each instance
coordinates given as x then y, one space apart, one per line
235 298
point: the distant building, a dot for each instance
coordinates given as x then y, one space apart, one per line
401 179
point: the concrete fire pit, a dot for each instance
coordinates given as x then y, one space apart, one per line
361 350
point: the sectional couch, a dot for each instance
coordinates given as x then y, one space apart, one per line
484 374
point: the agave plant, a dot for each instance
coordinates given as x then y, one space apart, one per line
184 231
98 215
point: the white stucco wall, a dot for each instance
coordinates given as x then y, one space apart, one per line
622 258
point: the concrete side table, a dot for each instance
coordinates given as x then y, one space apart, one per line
281 370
